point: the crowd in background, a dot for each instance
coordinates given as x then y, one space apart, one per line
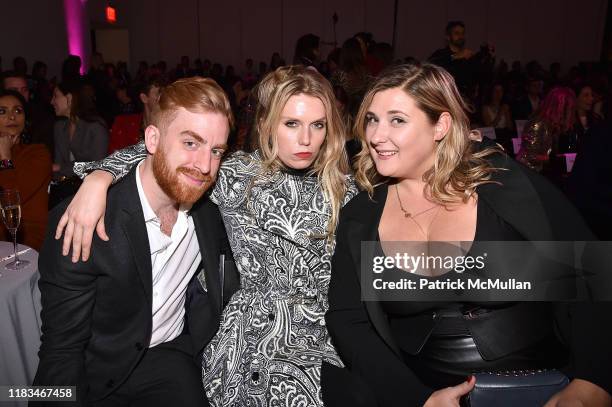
84 117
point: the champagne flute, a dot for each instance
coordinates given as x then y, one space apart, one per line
10 207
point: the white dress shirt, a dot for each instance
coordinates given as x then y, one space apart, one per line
174 259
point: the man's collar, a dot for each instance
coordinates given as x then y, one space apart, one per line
148 212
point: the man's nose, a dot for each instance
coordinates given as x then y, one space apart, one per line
202 161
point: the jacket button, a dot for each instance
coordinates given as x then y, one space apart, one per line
255 376
110 383
271 317
138 346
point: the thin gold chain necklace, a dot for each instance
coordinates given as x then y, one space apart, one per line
412 217
408 214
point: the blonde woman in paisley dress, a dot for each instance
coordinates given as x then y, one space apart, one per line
280 207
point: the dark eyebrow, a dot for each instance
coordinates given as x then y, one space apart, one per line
322 119
289 118
221 146
368 113
193 134
396 112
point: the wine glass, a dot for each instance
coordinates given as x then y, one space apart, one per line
10 208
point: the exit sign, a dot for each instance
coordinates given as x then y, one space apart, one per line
111 15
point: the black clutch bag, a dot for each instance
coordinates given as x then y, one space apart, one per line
525 388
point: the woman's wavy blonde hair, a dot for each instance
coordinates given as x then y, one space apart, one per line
457 170
331 165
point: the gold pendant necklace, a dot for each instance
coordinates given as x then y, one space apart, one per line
406 213
412 217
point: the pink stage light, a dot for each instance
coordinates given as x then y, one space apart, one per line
74 12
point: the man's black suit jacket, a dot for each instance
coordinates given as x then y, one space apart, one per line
96 315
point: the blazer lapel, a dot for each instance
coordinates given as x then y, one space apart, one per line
136 234
516 200
366 229
209 247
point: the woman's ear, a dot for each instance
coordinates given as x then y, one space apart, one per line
442 127
69 101
152 138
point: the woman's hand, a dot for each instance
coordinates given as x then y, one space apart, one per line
580 393
7 141
85 212
450 396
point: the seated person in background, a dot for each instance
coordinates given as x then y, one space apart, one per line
549 132
24 167
496 113
124 104
128 129
39 112
590 183
149 94
586 117
81 136
352 74
525 106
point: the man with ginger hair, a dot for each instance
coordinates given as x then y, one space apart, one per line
127 326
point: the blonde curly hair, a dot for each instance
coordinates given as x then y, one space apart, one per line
457 170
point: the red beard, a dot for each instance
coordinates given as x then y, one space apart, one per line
168 180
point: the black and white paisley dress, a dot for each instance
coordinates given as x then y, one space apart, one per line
272 337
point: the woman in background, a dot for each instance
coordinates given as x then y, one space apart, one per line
586 117
550 131
24 167
352 74
495 112
81 136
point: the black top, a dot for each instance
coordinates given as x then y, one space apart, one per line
489 227
448 353
304 172
461 69
590 182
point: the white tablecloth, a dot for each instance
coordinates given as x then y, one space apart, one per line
19 320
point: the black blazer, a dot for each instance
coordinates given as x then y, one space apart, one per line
590 182
96 315
360 329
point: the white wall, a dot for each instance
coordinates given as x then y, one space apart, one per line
231 31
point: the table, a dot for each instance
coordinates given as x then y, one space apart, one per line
19 320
